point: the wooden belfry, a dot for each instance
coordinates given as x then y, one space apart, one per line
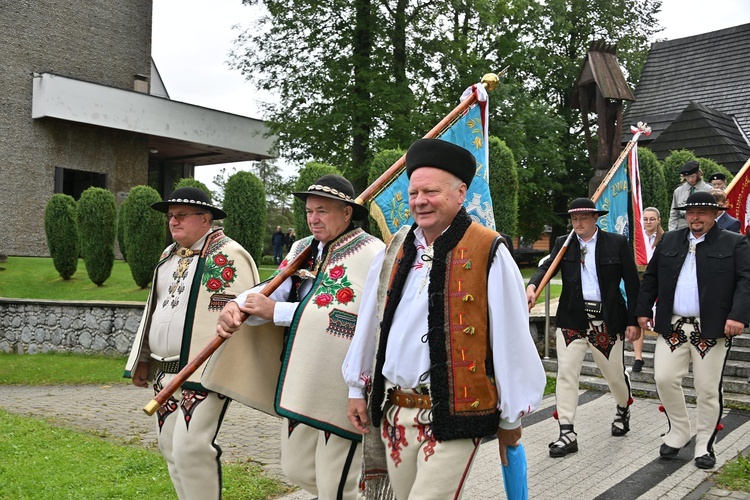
601 88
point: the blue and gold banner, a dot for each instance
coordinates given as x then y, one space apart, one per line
390 208
615 199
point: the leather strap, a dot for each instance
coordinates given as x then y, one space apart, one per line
408 400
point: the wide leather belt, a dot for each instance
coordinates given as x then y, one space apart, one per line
409 400
168 366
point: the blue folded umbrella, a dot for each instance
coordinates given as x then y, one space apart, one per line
514 474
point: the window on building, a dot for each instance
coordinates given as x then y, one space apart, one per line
74 182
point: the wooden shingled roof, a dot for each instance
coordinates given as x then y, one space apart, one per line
708 133
602 68
709 70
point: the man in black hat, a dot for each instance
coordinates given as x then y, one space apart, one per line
701 276
195 277
453 357
320 450
693 181
718 181
591 313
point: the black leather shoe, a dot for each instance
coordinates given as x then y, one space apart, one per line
566 443
622 419
666 451
638 365
705 462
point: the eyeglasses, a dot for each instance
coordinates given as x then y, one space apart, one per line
181 217
653 219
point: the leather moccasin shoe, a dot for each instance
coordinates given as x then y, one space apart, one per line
666 451
705 462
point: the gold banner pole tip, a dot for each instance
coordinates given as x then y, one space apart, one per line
490 81
151 407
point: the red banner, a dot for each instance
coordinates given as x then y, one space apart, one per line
737 197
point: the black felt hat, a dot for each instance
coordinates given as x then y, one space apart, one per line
690 167
582 206
717 175
441 154
700 199
337 188
189 196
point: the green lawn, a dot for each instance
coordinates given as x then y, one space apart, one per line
45 461
36 278
61 369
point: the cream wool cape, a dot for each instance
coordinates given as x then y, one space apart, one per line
311 389
224 269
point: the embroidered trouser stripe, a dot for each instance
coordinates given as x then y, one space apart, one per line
569 362
420 467
670 366
324 464
187 440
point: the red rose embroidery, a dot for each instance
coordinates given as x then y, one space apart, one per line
213 284
220 260
337 272
283 264
323 299
227 274
345 295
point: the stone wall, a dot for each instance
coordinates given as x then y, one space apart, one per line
33 326
30 326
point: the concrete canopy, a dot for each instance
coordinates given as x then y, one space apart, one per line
176 131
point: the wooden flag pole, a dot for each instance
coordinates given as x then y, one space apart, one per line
642 128
490 82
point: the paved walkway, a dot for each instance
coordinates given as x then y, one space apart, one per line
604 468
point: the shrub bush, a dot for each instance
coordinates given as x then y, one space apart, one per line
653 186
121 232
97 216
245 205
708 166
310 173
503 186
62 234
145 231
267 260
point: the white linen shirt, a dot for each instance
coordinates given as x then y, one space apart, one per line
519 375
589 277
686 300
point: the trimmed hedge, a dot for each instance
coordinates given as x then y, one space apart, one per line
145 231
503 186
245 205
653 186
708 166
310 173
62 234
121 233
97 224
